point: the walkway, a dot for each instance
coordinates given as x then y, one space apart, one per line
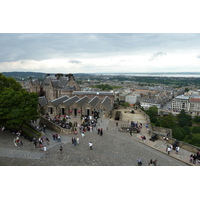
114 148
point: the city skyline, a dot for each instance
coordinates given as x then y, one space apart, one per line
100 52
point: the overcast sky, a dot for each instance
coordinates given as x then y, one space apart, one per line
109 52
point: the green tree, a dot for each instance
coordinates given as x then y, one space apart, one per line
187 130
126 104
178 133
168 121
196 129
197 119
152 111
17 107
8 83
184 119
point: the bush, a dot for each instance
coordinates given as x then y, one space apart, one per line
178 133
196 129
197 119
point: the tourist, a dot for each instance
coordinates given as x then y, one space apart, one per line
144 139
191 158
61 149
90 145
54 137
151 162
155 162
139 161
130 133
101 132
58 138
47 139
194 159
83 134
44 128
168 150
177 149
77 140
74 141
45 149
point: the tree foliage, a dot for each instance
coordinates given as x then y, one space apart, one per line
17 106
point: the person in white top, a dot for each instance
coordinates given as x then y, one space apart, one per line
45 149
177 149
90 145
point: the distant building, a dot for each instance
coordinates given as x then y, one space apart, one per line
53 87
180 102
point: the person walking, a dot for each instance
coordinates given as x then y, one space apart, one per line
101 132
74 141
139 161
194 159
83 134
155 162
177 149
77 140
90 145
130 133
45 149
151 162
58 138
61 149
168 150
44 128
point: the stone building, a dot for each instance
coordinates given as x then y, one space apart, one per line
194 105
53 87
179 103
76 106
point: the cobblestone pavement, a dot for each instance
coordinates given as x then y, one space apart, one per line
114 148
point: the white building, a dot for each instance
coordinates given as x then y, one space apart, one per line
180 103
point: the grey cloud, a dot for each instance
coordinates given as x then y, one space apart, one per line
75 61
198 56
157 55
37 46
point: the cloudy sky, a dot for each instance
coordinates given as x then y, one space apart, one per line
109 52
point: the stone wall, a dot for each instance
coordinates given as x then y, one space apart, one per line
182 145
53 127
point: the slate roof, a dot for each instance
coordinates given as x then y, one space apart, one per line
64 81
82 101
68 88
70 101
93 93
55 83
42 101
107 103
94 101
36 82
59 100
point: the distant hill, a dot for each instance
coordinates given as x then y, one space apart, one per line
26 75
23 75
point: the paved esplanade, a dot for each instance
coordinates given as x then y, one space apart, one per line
114 148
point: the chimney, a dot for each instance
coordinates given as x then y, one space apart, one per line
58 76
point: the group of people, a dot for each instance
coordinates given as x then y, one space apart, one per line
195 157
56 137
170 147
75 141
151 162
41 142
18 142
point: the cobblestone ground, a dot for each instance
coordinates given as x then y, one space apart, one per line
114 148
